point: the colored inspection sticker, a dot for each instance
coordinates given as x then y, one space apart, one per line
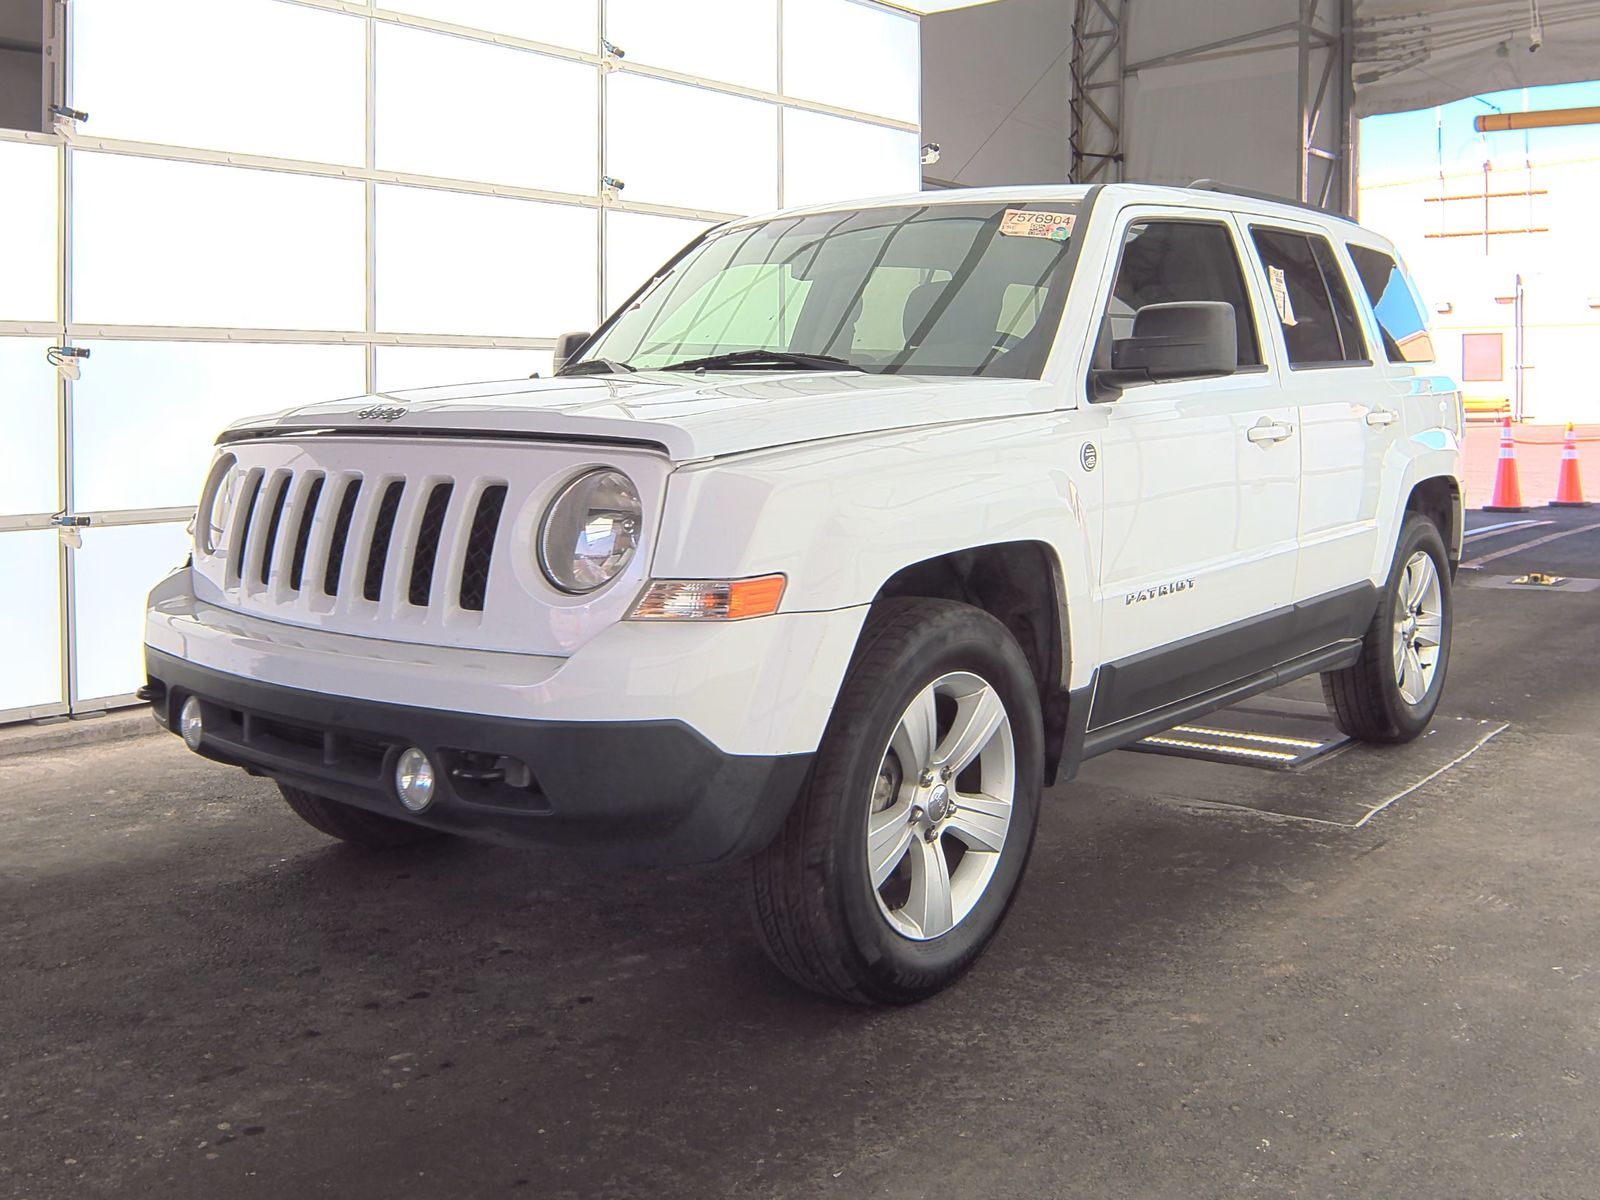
1025 222
1280 295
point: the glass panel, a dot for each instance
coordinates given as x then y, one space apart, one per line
432 366
255 76
30 616
535 94
169 243
689 147
29 446
455 263
636 245
565 23
113 573
145 414
1168 261
830 158
1483 358
919 289
853 56
28 217
1394 303
732 40
1300 297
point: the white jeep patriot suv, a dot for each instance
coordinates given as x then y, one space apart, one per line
850 531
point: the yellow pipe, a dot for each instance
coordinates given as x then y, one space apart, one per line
1547 119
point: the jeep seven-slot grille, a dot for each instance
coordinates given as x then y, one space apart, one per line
300 530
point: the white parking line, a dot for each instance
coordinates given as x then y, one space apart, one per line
1549 537
1427 779
1503 527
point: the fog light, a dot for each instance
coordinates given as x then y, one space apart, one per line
189 723
413 780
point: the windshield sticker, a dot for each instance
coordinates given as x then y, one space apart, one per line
1024 222
1280 295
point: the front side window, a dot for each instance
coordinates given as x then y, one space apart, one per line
1165 262
1313 301
1394 303
932 289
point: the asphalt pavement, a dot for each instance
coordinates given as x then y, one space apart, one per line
202 997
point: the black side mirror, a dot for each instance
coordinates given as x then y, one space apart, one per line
566 346
1188 340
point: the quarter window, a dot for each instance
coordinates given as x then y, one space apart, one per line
1166 262
1394 303
1313 301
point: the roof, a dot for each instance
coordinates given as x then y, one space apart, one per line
1213 195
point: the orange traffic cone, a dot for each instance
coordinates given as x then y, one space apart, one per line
1569 485
1507 485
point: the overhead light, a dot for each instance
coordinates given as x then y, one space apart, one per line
1505 299
930 154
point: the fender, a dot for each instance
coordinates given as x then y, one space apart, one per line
841 519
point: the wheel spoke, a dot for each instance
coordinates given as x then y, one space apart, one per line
1411 684
978 716
929 906
888 835
914 737
1429 629
981 822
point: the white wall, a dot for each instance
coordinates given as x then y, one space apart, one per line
422 204
995 87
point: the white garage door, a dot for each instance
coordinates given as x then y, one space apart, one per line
276 201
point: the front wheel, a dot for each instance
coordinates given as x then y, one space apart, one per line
369 830
1391 692
902 856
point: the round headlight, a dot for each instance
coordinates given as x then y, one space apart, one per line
590 531
215 502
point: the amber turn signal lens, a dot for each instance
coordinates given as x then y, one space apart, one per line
709 599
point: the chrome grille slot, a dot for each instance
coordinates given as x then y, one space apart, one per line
302 537
382 534
479 552
341 536
240 534
427 543
275 517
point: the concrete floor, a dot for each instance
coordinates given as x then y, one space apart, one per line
202 997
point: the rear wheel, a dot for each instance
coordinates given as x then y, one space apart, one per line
1391 692
348 823
902 856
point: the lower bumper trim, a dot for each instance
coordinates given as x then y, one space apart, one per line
640 791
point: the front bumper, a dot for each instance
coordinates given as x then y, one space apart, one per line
644 791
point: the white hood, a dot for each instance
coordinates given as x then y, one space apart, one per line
690 416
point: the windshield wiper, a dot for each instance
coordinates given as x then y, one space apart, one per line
596 366
765 358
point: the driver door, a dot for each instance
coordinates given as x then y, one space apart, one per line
1201 485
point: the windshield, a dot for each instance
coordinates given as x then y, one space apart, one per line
932 289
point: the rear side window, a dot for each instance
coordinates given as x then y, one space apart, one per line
1394 303
1313 301
1166 262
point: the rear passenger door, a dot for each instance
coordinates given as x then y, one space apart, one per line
1346 423
1201 483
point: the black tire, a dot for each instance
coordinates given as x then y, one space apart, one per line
1365 700
355 825
816 910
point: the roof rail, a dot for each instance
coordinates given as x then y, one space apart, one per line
1213 185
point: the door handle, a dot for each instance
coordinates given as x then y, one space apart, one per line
1267 431
1380 417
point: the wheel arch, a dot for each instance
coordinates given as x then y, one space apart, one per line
1438 498
1023 586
